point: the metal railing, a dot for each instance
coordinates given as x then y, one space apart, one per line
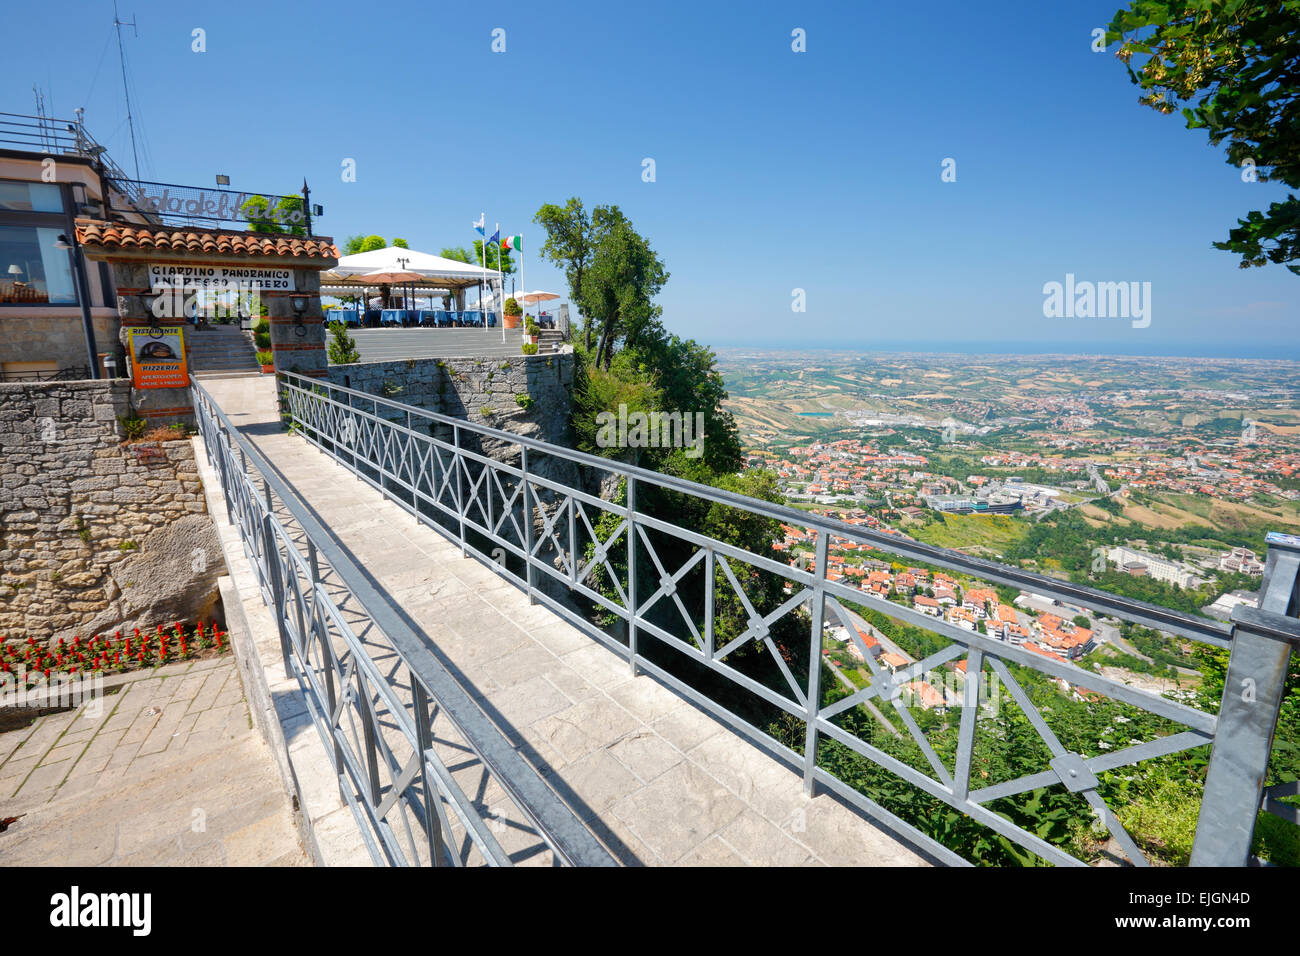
568 543
45 134
373 688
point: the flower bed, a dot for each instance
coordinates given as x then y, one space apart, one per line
39 662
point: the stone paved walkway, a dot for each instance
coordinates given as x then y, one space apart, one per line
658 780
165 771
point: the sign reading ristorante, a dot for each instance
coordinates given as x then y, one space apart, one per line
219 278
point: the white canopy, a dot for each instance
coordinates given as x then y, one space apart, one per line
447 272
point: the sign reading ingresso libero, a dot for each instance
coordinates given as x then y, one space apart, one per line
219 278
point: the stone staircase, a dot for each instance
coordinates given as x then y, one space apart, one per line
221 351
549 340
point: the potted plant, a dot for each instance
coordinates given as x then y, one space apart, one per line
530 329
267 361
511 312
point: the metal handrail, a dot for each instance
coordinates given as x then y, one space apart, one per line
347 684
391 446
1206 630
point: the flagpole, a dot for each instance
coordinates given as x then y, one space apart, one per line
502 277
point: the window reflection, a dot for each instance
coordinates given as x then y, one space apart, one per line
32 271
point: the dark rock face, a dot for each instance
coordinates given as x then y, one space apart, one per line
173 577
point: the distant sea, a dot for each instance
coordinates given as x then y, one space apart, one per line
1246 349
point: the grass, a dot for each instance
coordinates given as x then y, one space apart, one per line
994 532
1162 819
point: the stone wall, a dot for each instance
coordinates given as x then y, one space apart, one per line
96 535
486 391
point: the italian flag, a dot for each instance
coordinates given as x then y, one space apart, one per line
513 243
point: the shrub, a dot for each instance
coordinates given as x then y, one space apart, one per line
132 427
262 340
262 325
265 358
512 307
525 401
529 348
342 347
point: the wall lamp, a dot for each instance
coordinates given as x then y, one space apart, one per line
299 305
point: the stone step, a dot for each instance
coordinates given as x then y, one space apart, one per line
227 373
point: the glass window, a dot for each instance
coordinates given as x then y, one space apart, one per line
30 197
31 270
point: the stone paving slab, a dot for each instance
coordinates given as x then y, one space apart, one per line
163 770
659 781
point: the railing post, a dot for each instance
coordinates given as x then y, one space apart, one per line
459 465
815 663
422 714
1243 739
632 602
271 554
528 525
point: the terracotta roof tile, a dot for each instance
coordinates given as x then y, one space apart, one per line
117 235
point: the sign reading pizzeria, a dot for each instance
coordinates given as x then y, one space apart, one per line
219 278
158 358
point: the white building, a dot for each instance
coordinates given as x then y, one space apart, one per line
1153 565
1241 561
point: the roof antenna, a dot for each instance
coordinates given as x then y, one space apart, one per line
41 119
118 23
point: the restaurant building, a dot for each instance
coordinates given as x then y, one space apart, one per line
51 173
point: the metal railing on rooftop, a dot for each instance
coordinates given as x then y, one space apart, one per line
634 567
373 688
46 134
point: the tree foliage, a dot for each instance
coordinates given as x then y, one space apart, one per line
1231 67
357 244
275 220
342 347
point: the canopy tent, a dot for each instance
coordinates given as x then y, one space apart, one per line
442 273
446 277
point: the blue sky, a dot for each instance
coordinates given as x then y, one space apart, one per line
775 170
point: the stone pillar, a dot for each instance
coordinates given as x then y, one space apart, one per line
158 406
298 347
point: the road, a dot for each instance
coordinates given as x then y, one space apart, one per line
869 704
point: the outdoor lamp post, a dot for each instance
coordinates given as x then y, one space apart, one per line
73 248
299 305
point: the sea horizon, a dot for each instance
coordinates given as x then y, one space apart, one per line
1243 352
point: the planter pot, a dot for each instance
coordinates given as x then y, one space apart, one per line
531 338
268 369
511 321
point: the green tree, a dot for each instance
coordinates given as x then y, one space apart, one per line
617 293
342 348
1231 67
400 244
357 244
570 243
286 217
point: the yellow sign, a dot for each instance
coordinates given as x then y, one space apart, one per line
158 358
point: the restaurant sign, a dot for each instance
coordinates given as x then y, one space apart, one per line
219 278
158 358
172 202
